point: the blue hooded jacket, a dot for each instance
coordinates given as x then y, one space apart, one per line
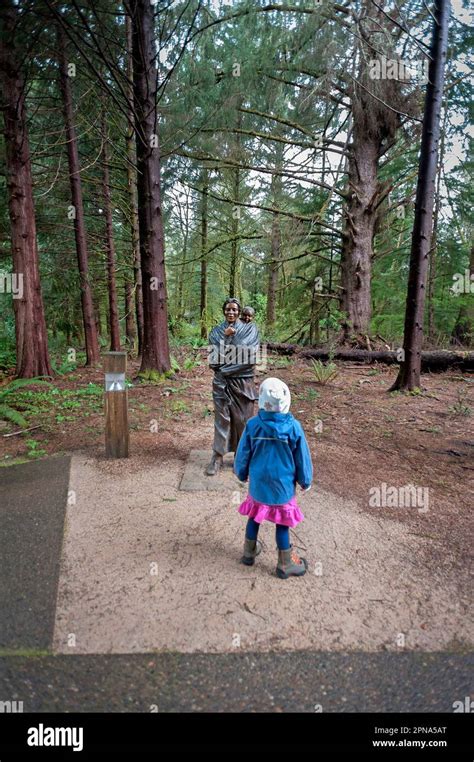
274 453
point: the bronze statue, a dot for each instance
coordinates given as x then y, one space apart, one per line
234 347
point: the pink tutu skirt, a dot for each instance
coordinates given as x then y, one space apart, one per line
288 514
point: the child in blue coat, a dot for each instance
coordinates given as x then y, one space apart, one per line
274 453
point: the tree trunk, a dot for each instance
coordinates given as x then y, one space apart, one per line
109 235
275 254
130 332
182 273
132 189
90 330
357 249
32 357
316 307
409 375
434 243
318 304
234 253
155 354
273 272
234 256
374 127
98 317
203 304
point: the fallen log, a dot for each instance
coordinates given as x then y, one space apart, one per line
430 361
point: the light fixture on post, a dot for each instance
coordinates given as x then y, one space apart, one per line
116 405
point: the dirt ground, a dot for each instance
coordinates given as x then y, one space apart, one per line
149 567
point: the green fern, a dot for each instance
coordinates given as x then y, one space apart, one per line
174 365
324 373
7 412
19 383
191 362
64 367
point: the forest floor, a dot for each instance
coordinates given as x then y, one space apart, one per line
387 570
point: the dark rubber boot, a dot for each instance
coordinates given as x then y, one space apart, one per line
251 550
215 464
290 564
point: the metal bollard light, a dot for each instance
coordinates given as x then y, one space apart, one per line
116 405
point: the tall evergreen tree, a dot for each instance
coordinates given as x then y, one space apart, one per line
32 357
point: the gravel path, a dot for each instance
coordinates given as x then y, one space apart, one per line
148 567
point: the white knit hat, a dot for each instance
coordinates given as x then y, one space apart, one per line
274 396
